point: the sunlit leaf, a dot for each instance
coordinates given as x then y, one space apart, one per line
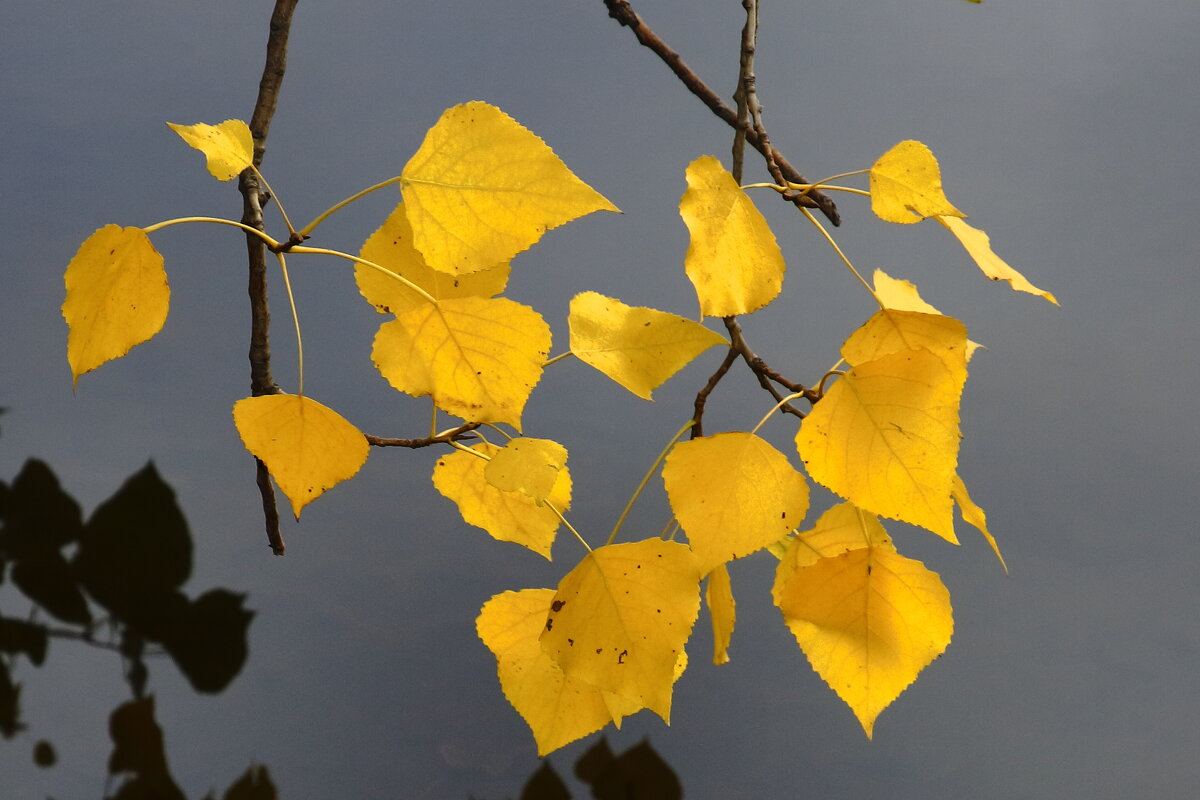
869 621
558 709
732 259
228 147
979 247
733 494
307 447
842 528
885 436
890 331
508 516
900 294
718 596
529 466
391 246
906 185
974 515
483 188
478 357
620 619
639 348
117 297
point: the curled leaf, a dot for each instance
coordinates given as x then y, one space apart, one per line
979 247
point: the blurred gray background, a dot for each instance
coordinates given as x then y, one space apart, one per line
1066 130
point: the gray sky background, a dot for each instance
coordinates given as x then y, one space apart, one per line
1066 130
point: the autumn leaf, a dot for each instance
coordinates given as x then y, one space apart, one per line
842 528
899 294
529 466
979 247
733 494
718 596
906 185
117 297
557 708
885 436
307 447
869 620
483 188
974 515
508 516
478 357
619 619
891 330
639 348
391 246
732 259
228 147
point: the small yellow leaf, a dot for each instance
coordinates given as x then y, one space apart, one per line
974 515
478 357
979 247
228 147
483 188
885 437
308 447
733 494
117 297
732 259
558 709
906 185
842 528
900 294
530 466
639 348
391 246
620 619
869 620
890 331
506 516
723 611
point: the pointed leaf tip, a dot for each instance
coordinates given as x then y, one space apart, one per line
979 246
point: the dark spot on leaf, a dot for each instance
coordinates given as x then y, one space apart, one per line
557 605
621 656
598 649
549 624
570 642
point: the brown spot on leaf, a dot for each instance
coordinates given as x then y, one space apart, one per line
557 605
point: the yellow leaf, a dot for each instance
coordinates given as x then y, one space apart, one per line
308 447
842 528
733 259
979 247
890 331
228 147
558 709
900 294
391 246
733 494
117 297
530 466
974 515
719 598
478 357
885 437
869 621
639 348
506 516
483 188
906 185
620 619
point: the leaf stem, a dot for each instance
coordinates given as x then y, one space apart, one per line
310 227
287 283
558 357
365 263
570 527
784 401
278 204
218 220
646 479
841 255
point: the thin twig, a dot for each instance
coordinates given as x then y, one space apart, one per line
453 435
759 367
702 395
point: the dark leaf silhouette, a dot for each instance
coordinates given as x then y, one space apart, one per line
138 750
17 636
545 785
208 641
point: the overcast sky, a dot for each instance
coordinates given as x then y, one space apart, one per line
1066 130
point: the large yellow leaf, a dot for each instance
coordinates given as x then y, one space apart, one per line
890 330
718 596
974 515
906 185
391 246
509 516
732 259
478 357
228 148
869 621
620 619
483 188
842 528
530 466
885 437
733 494
557 708
307 447
117 297
979 247
639 348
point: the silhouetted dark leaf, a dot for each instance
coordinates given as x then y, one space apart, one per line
135 550
38 514
637 774
138 749
47 579
209 641
10 704
18 636
591 765
44 755
255 784
545 785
